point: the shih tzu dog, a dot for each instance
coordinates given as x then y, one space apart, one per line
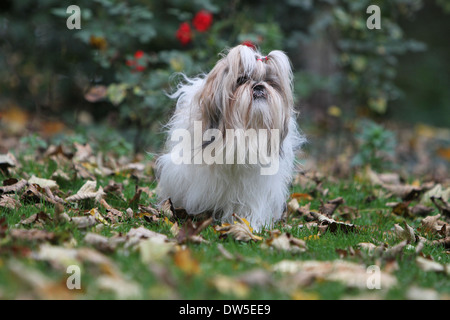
232 139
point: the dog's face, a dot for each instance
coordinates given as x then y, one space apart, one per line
246 90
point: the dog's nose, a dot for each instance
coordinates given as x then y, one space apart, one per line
259 91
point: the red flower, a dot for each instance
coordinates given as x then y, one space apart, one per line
202 20
134 64
184 33
139 54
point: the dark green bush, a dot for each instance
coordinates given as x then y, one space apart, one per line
121 62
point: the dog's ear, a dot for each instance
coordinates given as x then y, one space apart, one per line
281 66
218 88
209 98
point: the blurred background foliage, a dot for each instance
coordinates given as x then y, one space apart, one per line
118 68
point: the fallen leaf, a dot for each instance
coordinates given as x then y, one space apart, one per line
83 222
351 274
41 285
7 161
102 243
112 214
155 249
331 205
185 262
284 242
293 206
167 208
434 225
40 218
83 152
9 202
122 288
14 188
301 196
416 293
190 231
230 286
328 224
43 182
407 233
31 234
240 230
437 192
442 205
88 191
428 265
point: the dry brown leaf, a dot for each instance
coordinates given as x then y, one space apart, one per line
293 206
372 249
167 209
442 205
301 196
434 225
88 191
14 188
102 243
121 287
428 265
43 182
407 233
112 214
31 234
240 230
41 285
230 286
185 262
416 293
405 191
190 231
331 205
7 161
437 192
144 233
37 218
82 153
84 222
349 273
9 202
328 224
115 189
284 242
395 251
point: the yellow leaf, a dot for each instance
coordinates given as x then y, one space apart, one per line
228 285
302 295
334 111
96 214
185 262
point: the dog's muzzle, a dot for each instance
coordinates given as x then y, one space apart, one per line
259 92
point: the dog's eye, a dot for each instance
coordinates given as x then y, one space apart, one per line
241 80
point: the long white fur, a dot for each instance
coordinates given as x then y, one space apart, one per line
224 189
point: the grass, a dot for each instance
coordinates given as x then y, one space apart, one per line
173 281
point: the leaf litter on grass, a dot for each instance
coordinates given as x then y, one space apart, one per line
105 221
